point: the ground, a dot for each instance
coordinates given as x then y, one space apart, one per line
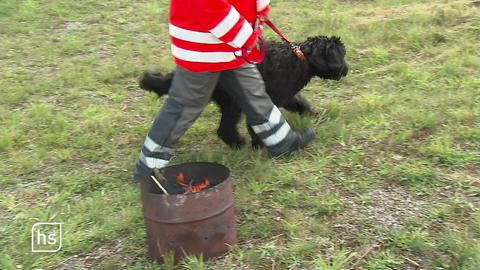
392 180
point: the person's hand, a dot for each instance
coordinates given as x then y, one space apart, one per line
257 33
264 17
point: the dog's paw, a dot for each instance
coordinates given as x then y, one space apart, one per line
231 138
238 143
257 144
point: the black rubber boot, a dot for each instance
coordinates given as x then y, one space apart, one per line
301 141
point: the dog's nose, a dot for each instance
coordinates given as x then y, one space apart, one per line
345 70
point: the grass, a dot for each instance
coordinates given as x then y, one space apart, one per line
393 170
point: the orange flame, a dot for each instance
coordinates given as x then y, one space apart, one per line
189 187
200 186
181 180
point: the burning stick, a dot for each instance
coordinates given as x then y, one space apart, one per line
159 185
200 186
191 187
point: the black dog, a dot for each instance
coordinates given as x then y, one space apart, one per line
284 75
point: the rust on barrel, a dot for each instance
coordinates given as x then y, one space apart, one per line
195 223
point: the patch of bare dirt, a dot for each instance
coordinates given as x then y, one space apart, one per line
98 255
467 184
387 14
228 263
387 208
130 26
67 28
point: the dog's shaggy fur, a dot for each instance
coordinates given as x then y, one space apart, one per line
284 75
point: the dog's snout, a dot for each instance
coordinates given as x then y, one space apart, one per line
345 70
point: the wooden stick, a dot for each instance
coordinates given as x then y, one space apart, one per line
159 185
412 262
362 256
159 175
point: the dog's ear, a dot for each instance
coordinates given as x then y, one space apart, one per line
338 42
307 49
335 39
329 47
310 43
334 53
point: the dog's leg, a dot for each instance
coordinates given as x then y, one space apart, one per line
256 141
231 113
299 104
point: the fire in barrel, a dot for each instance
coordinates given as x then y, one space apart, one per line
191 212
192 186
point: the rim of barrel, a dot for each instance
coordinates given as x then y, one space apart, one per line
150 198
212 170
200 163
224 170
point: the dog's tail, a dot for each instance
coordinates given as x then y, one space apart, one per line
156 82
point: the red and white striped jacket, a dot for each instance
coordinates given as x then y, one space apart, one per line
207 35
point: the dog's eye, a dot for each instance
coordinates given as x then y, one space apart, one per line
334 54
330 50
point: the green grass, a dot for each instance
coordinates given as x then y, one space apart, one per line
407 117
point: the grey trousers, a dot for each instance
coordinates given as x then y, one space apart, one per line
190 92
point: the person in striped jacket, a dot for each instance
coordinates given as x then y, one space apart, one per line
210 42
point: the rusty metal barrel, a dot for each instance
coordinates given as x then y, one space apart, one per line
200 223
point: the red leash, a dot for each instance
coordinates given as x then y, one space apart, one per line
295 48
261 50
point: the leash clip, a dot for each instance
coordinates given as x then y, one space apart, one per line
297 51
295 48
